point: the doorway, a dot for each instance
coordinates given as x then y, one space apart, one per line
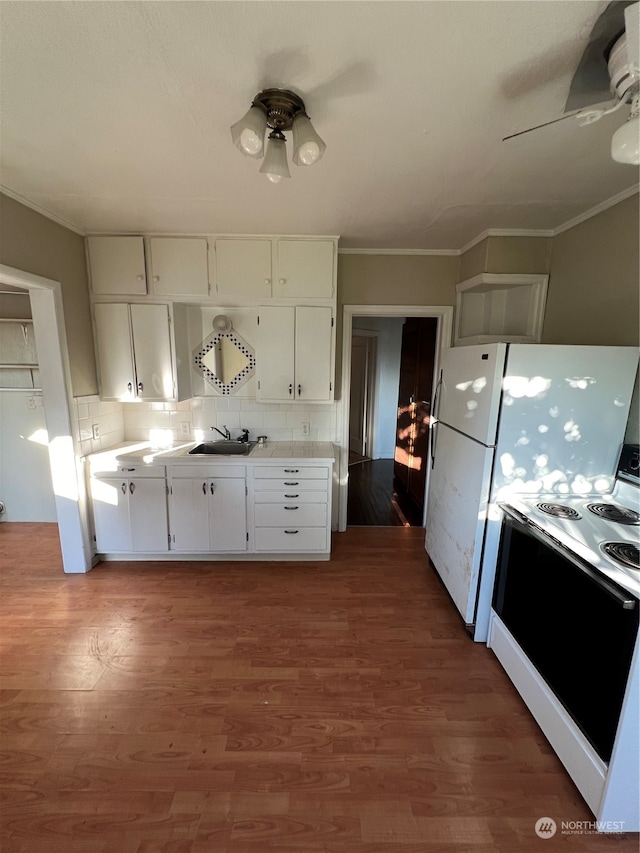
377 489
66 476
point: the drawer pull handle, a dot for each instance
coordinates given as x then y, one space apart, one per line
291 484
292 507
292 496
291 470
291 531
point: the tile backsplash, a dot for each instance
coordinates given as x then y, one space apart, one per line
279 422
107 417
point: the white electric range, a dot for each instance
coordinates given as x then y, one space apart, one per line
602 530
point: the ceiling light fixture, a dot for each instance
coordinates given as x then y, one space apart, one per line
625 143
279 110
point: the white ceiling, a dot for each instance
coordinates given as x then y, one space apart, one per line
116 116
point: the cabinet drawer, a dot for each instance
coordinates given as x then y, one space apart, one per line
291 515
138 471
188 472
297 539
290 472
290 486
285 496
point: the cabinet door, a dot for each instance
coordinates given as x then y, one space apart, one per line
110 501
313 354
243 269
178 266
152 351
115 352
275 353
305 269
228 514
148 515
189 514
117 265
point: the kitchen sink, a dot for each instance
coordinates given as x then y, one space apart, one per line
223 448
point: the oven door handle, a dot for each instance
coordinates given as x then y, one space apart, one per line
612 591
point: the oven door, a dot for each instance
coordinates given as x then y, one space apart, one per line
577 628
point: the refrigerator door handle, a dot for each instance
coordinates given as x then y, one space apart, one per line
434 421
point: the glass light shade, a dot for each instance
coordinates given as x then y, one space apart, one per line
625 142
275 165
248 133
308 148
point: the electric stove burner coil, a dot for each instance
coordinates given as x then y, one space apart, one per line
624 553
559 510
613 512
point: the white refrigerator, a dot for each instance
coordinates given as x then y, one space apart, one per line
516 418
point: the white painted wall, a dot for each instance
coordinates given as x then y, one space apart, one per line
387 375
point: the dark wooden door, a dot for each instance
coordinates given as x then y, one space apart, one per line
414 402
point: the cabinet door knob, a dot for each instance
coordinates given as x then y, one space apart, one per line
291 389
140 387
139 278
283 281
156 278
267 281
132 488
129 387
213 488
204 488
299 390
124 488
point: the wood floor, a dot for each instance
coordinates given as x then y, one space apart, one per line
333 707
374 499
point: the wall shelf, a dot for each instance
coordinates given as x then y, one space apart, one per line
500 307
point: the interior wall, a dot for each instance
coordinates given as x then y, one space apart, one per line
393 280
593 285
385 414
32 243
530 255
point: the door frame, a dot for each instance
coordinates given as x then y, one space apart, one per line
55 378
444 337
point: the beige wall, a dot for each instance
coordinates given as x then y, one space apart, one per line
35 244
594 281
397 279
530 255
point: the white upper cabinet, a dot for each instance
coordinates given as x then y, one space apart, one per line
117 265
242 269
295 353
133 344
178 266
304 269
253 270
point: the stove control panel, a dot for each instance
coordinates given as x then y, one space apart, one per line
629 465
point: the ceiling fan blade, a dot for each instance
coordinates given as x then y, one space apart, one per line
537 127
590 82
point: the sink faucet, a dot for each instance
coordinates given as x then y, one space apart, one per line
226 434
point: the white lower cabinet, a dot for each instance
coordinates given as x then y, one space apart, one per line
292 508
130 511
208 509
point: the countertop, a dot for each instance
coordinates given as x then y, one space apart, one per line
141 453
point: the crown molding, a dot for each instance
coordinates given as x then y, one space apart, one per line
448 252
489 232
41 210
599 208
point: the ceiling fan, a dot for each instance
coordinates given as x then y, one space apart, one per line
610 65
